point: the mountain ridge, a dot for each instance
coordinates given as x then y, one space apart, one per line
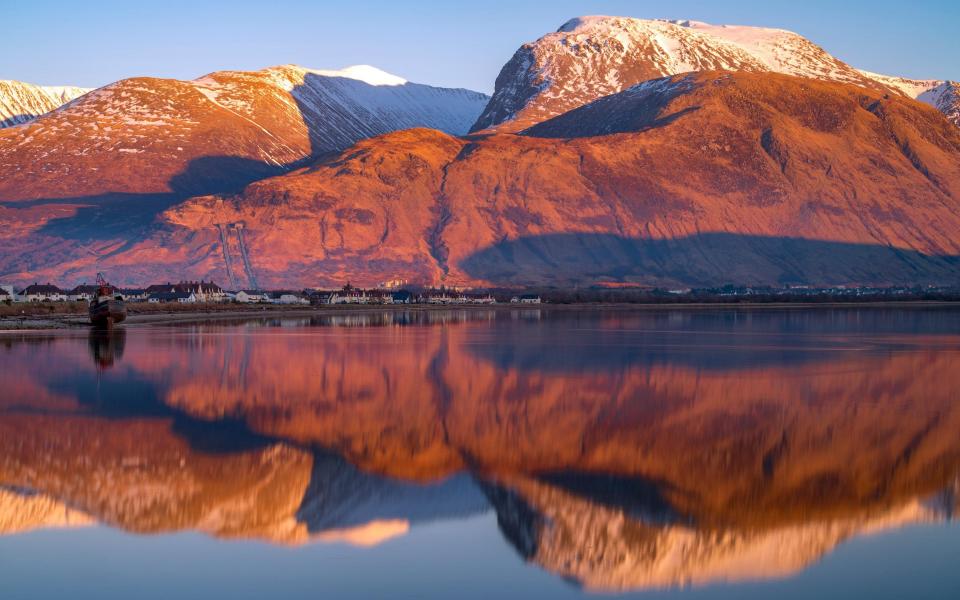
138 135
594 56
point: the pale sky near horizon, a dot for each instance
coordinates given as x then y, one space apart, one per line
448 43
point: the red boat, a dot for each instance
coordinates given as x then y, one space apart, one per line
107 308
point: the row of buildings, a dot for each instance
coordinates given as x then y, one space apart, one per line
185 291
190 292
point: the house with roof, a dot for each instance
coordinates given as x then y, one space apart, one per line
481 299
352 295
134 294
526 299
320 297
177 297
43 292
82 292
161 288
251 296
287 297
203 291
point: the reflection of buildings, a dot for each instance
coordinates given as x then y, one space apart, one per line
616 468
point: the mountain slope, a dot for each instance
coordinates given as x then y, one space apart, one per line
709 178
592 57
22 102
162 136
699 179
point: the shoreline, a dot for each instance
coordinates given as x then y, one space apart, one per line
12 324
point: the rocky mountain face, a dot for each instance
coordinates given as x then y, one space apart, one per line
22 102
697 179
592 57
163 136
945 97
96 174
219 132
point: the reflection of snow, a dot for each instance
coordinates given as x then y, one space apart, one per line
24 511
370 534
605 549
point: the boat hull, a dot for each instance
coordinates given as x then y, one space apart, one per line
107 312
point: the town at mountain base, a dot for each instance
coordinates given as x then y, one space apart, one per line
793 168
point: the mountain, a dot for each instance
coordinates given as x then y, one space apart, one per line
21 102
215 133
595 56
694 180
610 153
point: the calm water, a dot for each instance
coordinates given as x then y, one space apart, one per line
486 454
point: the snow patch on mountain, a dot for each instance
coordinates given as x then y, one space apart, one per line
366 74
908 87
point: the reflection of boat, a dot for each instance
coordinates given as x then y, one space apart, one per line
107 308
106 345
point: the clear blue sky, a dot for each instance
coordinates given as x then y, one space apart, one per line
441 42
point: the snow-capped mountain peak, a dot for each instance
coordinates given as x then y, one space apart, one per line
594 56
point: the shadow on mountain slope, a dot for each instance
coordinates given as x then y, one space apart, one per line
709 259
618 113
19 119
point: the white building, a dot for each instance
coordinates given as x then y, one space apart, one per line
290 299
251 296
178 297
43 293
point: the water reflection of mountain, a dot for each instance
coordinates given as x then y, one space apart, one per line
142 476
618 476
604 548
